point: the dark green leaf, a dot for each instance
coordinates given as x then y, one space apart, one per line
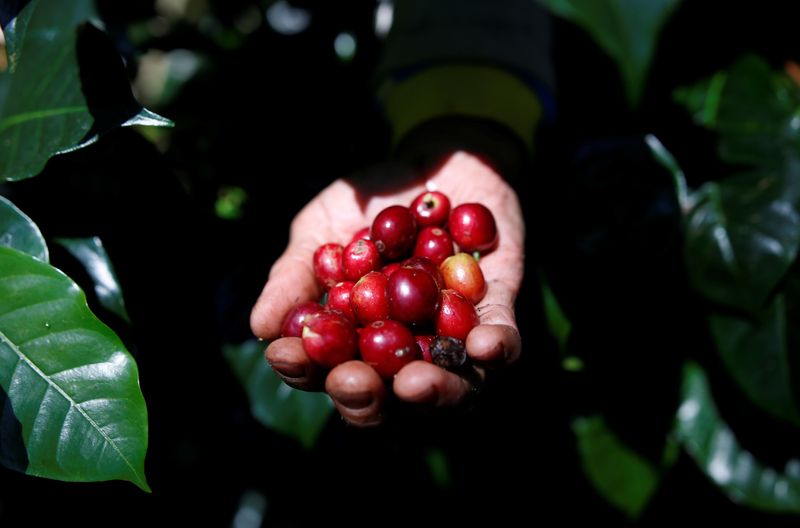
715 449
742 235
626 29
301 415
756 354
557 321
668 161
81 93
623 477
91 253
754 110
71 384
17 231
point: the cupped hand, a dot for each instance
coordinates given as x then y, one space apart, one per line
335 215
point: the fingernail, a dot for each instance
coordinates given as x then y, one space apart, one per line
354 400
290 370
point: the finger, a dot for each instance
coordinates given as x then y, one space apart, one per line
493 345
288 359
291 281
426 384
358 393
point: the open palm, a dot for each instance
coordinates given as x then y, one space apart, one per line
335 215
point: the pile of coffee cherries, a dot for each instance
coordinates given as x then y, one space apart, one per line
403 289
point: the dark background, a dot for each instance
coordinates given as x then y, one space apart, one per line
282 116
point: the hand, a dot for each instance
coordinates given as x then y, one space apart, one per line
335 215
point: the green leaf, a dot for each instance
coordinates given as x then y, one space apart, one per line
557 321
754 109
17 231
756 353
67 87
742 235
623 477
300 415
668 161
72 386
715 449
625 29
92 254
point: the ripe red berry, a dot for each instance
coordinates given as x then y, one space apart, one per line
394 231
329 339
328 268
425 264
413 295
390 268
462 273
424 344
293 322
359 258
431 208
361 234
433 243
339 299
369 299
387 346
456 315
472 227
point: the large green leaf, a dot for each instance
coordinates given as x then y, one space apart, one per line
626 29
19 232
754 109
622 476
742 235
72 389
92 254
715 449
68 86
301 415
756 353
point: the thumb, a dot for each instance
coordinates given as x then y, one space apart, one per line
291 281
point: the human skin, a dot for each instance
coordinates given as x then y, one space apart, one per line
334 215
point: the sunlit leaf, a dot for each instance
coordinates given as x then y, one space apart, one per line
742 235
17 231
716 450
72 389
627 30
756 353
298 414
67 87
92 254
622 476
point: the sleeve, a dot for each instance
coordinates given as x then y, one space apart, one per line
467 58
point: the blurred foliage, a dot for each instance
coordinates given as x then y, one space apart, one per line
627 30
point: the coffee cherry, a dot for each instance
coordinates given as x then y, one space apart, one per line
413 295
293 322
425 264
390 268
387 346
394 231
369 299
472 227
424 344
456 315
361 234
462 273
448 352
433 243
431 208
329 339
359 258
339 299
328 268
